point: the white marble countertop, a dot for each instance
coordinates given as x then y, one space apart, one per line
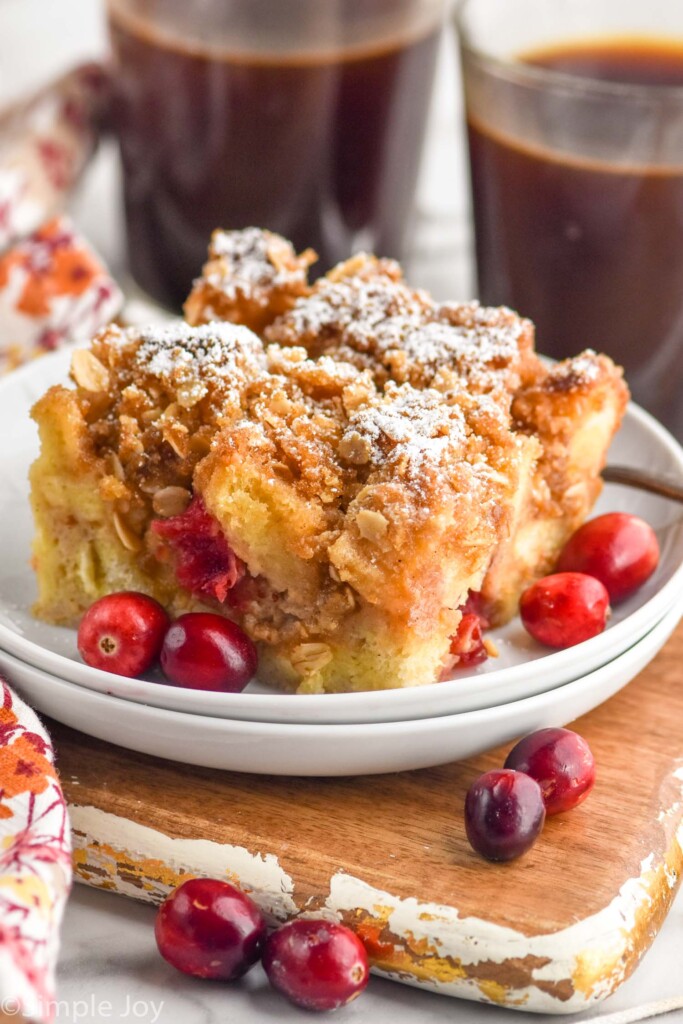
109 966
109 957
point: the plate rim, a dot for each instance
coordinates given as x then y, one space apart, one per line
366 730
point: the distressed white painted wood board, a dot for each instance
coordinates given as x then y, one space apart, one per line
553 932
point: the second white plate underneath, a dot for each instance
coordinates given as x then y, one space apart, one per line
325 750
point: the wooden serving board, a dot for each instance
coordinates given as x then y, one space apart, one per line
553 932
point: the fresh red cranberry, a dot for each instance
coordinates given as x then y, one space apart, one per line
620 550
504 814
122 633
207 652
468 642
210 929
318 965
204 562
565 609
562 764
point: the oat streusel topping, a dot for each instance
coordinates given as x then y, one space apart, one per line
194 360
252 262
251 277
342 308
373 320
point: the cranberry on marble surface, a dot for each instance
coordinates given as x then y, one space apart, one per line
318 965
210 929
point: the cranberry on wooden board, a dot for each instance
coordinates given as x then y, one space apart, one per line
210 929
208 652
318 965
620 550
504 814
562 764
564 609
122 633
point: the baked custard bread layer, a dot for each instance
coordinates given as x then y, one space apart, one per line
339 482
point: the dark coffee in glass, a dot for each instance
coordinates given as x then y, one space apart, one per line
303 116
576 149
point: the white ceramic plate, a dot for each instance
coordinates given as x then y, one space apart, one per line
285 749
523 669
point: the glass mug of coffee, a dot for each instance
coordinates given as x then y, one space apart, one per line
302 116
575 124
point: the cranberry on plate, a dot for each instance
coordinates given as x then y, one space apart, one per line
208 652
562 764
620 550
210 929
565 609
504 814
122 633
318 965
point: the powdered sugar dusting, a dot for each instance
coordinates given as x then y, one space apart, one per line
353 305
192 358
413 432
380 324
251 263
212 348
477 354
583 369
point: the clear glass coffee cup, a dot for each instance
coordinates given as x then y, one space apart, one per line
575 126
302 116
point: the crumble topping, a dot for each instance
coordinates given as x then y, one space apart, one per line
191 358
374 321
433 443
574 374
252 262
348 308
417 351
251 277
153 400
409 426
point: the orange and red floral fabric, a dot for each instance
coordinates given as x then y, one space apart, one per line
35 862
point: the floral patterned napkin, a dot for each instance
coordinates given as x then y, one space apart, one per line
54 290
46 142
35 863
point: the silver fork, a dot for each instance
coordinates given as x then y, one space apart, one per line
643 481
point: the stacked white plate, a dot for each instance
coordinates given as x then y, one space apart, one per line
263 731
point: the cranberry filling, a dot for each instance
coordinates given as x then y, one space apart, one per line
468 642
474 605
204 562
